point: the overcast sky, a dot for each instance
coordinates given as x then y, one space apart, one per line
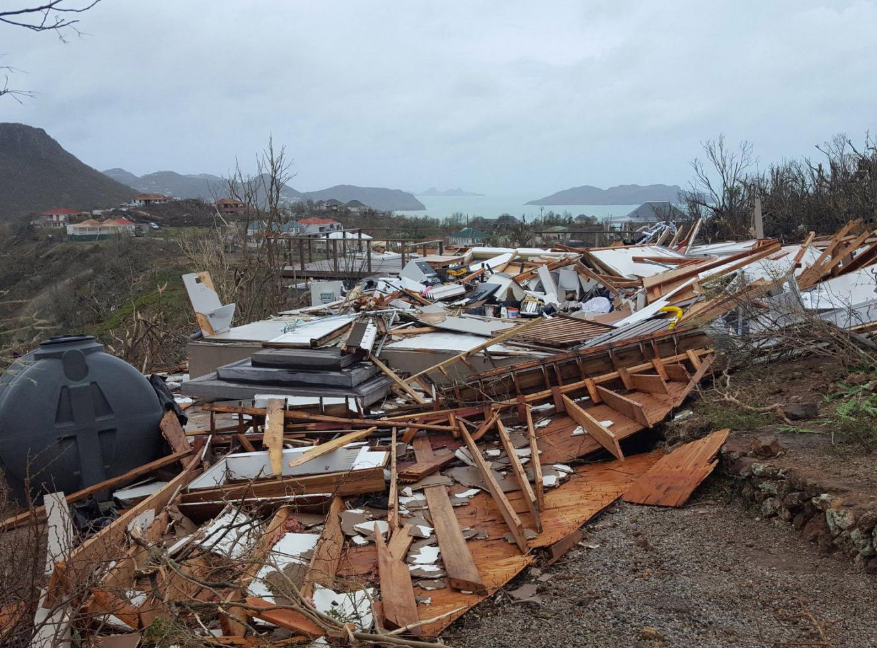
497 96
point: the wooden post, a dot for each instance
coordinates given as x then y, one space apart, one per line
335 255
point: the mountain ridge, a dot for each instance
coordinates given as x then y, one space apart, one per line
629 194
210 187
37 173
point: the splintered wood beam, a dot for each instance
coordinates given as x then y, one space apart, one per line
273 434
600 433
534 460
327 553
285 618
330 446
484 427
648 383
631 409
400 541
400 384
459 564
393 498
520 474
397 592
502 503
173 432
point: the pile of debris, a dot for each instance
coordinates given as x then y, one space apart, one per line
366 470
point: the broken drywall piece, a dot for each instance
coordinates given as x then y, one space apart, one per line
232 534
289 555
367 529
579 431
425 555
205 302
463 455
347 607
430 585
526 593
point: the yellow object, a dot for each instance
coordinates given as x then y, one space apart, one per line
672 309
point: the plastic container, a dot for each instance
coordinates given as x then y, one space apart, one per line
72 415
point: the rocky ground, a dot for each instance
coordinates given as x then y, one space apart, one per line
714 573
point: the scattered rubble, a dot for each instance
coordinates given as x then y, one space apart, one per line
367 469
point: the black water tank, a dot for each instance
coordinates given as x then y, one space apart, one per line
72 415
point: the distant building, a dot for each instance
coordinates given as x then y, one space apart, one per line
333 205
55 218
467 237
556 233
656 211
229 206
258 228
146 199
316 225
356 206
93 230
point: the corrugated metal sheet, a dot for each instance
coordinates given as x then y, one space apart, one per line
562 331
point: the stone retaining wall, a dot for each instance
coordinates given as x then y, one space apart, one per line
824 517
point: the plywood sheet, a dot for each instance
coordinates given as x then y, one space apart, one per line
567 507
673 478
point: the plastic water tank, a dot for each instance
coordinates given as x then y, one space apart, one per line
72 415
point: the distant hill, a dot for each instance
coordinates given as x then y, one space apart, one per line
432 191
620 195
375 197
210 187
36 174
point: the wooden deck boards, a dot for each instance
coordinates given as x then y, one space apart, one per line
675 476
567 507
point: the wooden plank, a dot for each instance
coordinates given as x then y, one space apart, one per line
672 480
393 497
658 364
245 442
484 427
172 431
401 384
693 359
520 474
677 372
648 383
601 434
397 592
705 366
631 409
624 374
562 547
508 513
400 542
534 460
327 553
459 564
330 446
131 475
285 618
591 386
347 423
273 434
423 469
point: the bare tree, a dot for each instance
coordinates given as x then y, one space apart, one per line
721 188
58 16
